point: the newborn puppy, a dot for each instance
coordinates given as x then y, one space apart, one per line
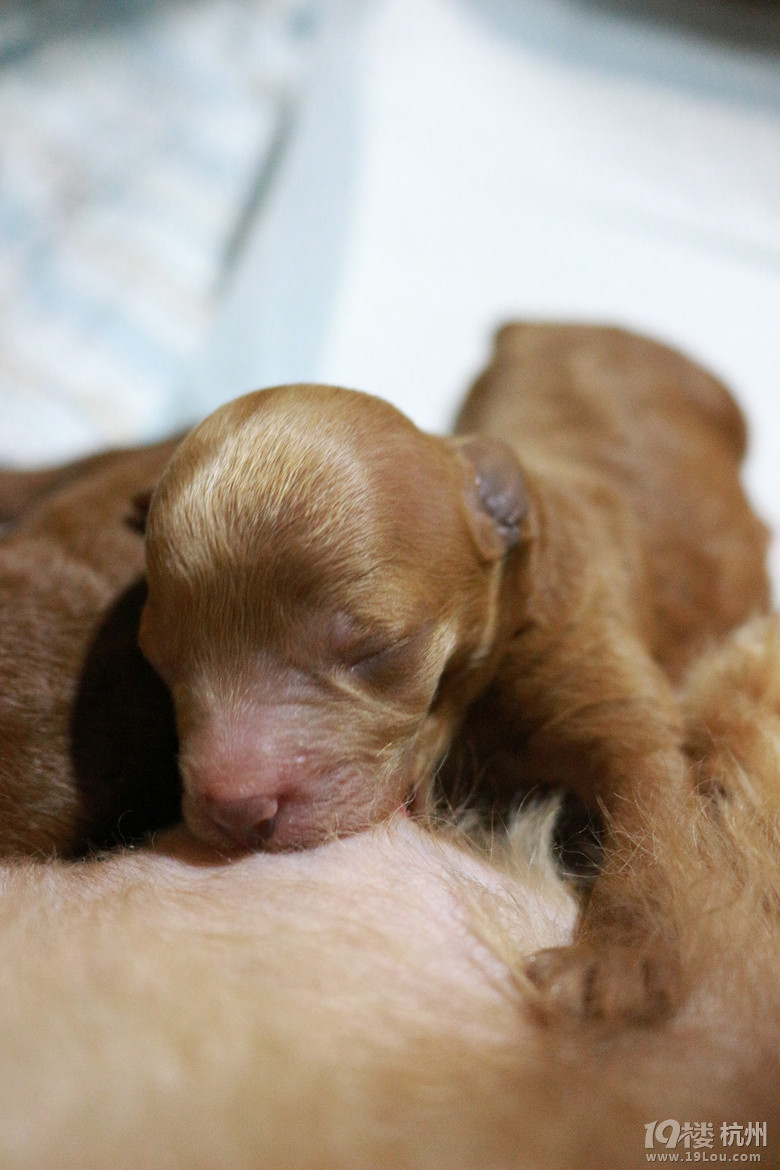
336 597
87 734
641 549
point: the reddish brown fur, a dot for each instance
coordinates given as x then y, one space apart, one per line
331 591
645 550
74 692
287 611
21 488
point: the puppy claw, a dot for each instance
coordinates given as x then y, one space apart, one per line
612 984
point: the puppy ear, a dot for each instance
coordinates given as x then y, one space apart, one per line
496 497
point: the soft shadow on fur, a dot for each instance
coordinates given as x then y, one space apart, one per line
123 734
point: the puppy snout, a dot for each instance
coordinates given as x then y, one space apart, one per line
249 821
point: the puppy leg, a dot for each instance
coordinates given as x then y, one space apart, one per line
603 719
624 966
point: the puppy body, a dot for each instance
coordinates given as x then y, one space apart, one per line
21 488
644 550
336 597
85 727
640 549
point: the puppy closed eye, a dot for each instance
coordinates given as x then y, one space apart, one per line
385 665
384 661
378 658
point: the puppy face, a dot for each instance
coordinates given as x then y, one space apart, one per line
322 602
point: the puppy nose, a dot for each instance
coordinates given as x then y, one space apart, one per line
249 821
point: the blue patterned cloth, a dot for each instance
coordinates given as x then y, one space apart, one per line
134 138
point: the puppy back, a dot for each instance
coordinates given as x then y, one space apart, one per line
602 365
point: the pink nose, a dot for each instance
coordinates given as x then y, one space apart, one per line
249 821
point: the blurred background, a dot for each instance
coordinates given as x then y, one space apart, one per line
199 197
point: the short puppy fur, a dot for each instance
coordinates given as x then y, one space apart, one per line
336 599
87 732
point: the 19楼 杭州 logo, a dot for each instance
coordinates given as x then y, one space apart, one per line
707 1136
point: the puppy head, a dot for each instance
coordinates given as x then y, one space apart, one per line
323 583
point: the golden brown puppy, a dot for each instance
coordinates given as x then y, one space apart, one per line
88 743
333 594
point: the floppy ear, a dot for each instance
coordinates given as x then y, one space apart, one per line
495 496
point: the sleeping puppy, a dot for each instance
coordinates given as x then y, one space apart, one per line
87 734
336 597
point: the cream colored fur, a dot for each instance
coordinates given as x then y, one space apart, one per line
362 1005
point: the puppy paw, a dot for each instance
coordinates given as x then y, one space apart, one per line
610 984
